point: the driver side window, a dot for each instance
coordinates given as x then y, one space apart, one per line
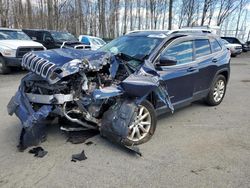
181 52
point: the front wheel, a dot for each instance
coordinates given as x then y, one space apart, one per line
217 91
143 126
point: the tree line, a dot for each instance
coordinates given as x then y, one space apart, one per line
111 18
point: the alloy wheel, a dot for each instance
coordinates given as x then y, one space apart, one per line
219 90
141 125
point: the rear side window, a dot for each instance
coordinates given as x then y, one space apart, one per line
215 45
182 52
202 47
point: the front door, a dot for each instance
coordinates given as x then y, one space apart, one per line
180 78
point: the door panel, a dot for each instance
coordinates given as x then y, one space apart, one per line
180 78
180 81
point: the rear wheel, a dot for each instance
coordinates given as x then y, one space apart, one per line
217 91
4 69
143 126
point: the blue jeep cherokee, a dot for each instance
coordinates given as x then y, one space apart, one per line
122 87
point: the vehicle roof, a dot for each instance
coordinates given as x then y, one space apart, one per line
161 33
146 32
9 29
43 30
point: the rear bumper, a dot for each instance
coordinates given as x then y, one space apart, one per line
13 61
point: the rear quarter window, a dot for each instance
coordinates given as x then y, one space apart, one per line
215 45
202 47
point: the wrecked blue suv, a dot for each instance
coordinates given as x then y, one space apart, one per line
121 88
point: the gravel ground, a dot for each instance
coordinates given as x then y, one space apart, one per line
197 146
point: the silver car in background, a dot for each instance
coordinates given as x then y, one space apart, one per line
235 49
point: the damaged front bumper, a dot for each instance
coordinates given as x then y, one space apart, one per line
33 131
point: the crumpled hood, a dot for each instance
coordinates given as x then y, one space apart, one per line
14 44
55 64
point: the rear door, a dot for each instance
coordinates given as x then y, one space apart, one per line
180 78
207 55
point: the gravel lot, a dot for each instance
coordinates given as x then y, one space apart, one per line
197 146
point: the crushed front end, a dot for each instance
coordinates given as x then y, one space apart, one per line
95 90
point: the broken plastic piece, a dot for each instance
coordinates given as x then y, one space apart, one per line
134 149
79 157
38 152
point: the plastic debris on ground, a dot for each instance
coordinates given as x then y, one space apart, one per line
38 152
79 157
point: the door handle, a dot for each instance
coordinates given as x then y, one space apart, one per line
191 69
214 60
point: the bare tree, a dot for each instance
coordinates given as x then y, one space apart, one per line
102 20
206 5
225 9
29 14
170 14
125 17
139 13
50 14
4 11
242 4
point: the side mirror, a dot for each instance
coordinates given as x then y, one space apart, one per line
167 61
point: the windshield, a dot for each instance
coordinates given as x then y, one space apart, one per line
134 46
97 41
13 35
63 36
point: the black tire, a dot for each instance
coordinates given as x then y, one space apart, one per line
210 99
233 55
4 69
151 131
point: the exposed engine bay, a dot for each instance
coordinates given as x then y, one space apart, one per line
85 88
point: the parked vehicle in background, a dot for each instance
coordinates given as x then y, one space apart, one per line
234 40
54 39
235 49
13 45
121 87
93 42
248 45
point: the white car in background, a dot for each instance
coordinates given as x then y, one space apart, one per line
93 42
235 49
13 45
